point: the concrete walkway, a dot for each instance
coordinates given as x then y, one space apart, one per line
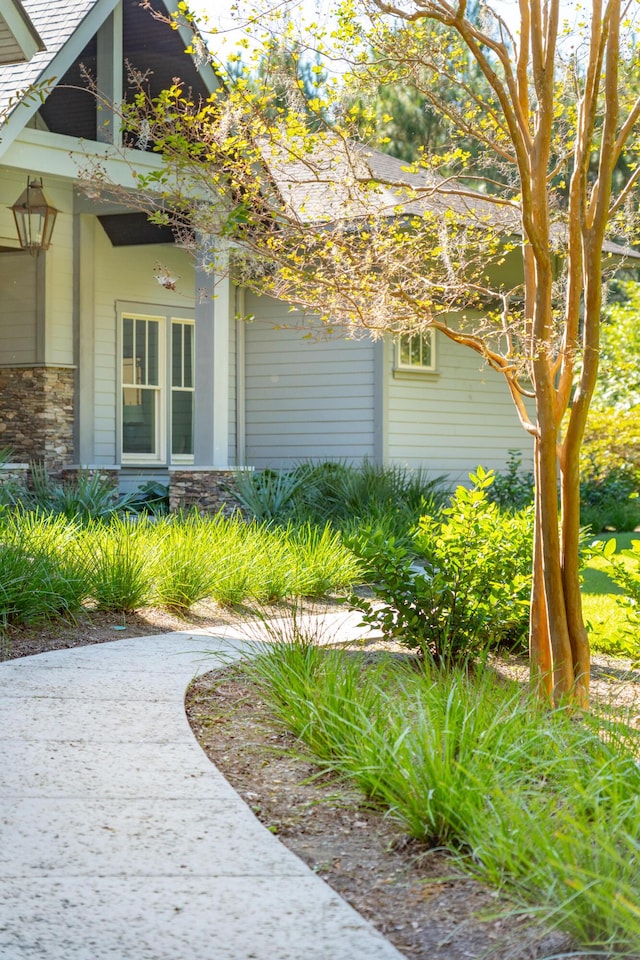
118 838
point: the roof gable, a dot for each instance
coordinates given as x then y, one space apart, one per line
68 31
65 29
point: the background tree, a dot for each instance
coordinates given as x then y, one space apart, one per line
313 217
611 449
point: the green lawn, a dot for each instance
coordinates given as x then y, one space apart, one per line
604 615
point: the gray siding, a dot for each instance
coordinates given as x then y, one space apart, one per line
17 309
305 398
454 420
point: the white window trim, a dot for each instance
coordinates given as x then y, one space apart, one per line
180 458
415 368
166 316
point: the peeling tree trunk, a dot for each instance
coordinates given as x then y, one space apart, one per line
541 660
558 641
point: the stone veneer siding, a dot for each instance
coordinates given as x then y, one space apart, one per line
206 489
70 474
36 414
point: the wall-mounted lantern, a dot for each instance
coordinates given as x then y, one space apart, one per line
34 218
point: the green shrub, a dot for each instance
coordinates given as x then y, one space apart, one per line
610 502
611 443
610 468
512 488
464 587
151 497
624 570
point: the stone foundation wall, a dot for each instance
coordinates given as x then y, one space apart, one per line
36 414
201 487
70 474
14 471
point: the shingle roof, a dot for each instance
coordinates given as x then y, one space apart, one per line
56 22
66 27
343 181
324 186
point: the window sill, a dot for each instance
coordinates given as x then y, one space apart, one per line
404 373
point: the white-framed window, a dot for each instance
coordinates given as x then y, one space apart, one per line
157 386
416 352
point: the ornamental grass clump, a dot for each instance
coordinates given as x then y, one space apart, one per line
320 560
188 560
543 805
345 495
119 561
40 577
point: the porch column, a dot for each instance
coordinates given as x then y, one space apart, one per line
84 336
211 422
109 76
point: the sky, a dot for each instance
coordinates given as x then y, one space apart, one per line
230 35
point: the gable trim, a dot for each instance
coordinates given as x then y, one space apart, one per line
56 69
21 30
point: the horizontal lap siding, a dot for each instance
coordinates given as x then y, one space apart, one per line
455 421
305 399
17 309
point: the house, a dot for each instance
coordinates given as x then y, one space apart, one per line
110 356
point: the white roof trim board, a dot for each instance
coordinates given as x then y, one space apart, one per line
19 39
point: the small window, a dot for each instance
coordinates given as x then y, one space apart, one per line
416 351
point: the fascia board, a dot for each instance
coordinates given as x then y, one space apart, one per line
56 69
56 155
22 29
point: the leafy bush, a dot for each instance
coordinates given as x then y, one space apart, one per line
151 497
464 587
610 467
610 502
512 488
627 576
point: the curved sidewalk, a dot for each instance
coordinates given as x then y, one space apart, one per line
119 840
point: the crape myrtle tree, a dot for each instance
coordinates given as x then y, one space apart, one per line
308 212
